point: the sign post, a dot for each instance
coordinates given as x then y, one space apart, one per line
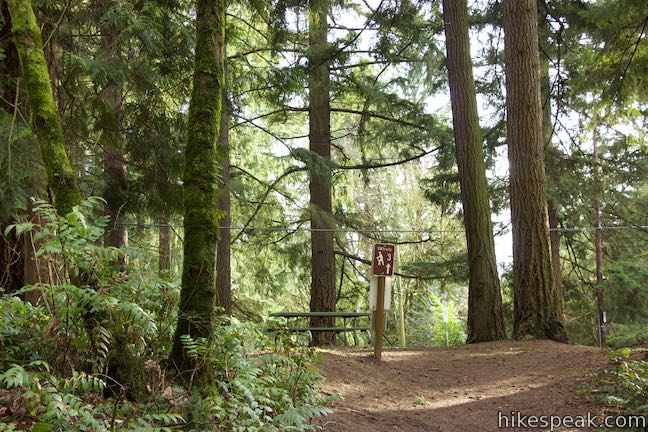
444 312
382 265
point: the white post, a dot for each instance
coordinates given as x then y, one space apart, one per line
403 342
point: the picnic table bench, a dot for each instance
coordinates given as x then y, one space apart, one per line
296 327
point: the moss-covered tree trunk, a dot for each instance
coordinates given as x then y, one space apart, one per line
200 186
535 311
323 294
111 139
45 120
485 316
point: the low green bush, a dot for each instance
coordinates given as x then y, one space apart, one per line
77 360
266 391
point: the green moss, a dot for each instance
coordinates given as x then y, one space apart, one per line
45 119
200 184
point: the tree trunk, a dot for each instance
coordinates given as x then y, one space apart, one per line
323 295
535 311
115 181
485 316
223 254
9 64
554 238
61 177
598 240
35 269
164 243
200 186
11 259
551 161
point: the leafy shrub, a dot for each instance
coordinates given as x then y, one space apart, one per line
93 320
87 302
624 335
21 331
625 388
53 400
62 404
269 391
426 326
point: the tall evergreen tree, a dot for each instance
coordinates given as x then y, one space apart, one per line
111 139
323 295
535 311
551 163
485 317
200 187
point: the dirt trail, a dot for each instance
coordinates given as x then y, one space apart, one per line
458 389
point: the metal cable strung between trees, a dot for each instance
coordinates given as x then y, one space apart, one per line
404 231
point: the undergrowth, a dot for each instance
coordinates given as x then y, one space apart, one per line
89 354
624 388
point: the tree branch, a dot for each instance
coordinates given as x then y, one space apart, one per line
264 196
387 164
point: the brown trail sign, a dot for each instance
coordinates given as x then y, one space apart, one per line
383 259
382 265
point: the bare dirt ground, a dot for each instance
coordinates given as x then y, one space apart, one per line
458 389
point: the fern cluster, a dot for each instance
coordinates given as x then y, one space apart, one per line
75 359
86 337
266 391
627 386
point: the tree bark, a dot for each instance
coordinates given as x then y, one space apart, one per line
323 295
223 253
35 269
485 316
200 186
61 176
535 311
111 140
551 161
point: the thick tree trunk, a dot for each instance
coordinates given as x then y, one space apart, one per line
164 244
535 311
223 253
485 316
200 187
323 295
61 177
111 140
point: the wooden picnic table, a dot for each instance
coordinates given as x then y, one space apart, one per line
308 329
